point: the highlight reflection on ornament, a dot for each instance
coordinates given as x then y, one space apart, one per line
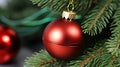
6 39
55 35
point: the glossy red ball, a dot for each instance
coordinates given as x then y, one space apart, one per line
9 44
63 39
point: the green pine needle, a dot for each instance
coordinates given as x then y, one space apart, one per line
97 57
90 58
99 17
114 42
60 5
40 59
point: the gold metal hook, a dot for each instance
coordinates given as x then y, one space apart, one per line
69 14
70 6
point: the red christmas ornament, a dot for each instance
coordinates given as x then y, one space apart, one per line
63 37
9 44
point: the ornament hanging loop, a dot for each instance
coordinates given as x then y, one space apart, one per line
69 14
70 6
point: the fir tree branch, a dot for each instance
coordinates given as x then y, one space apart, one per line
112 61
41 59
48 62
98 17
114 42
81 6
91 56
104 59
99 58
100 14
84 62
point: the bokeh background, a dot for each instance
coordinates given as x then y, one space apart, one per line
14 13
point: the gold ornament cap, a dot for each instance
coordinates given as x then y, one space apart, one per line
68 15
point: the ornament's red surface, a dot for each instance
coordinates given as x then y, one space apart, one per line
63 39
9 44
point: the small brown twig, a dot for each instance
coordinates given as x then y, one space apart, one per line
91 57
47 62
112 61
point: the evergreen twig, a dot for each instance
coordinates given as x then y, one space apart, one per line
84 62
90 55
40 59
60 5
112 61
98 18
47 62
114 42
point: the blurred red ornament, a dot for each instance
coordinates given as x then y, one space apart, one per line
9 44
63 39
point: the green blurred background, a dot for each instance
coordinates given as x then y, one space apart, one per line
20 15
